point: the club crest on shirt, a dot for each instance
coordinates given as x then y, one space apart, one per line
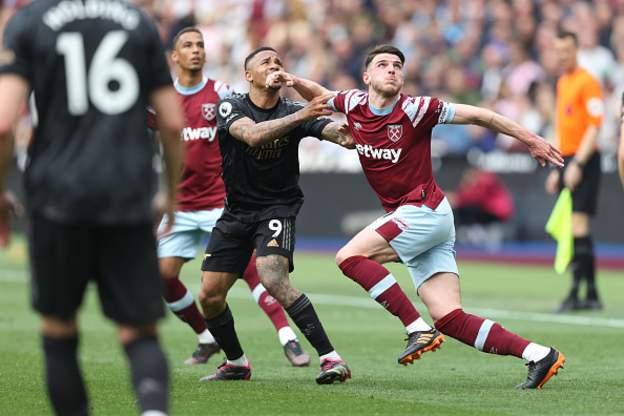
209 111
395 132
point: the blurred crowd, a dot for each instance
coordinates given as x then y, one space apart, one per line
492 53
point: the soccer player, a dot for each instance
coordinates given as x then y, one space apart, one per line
201 195
392 132
578 119
90 182
259 134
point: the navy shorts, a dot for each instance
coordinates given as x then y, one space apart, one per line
232 243
120 259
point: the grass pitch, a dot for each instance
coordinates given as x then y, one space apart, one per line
456 380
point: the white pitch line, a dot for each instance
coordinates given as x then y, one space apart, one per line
364 302
14 276
20 276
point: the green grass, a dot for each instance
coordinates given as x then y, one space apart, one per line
455 381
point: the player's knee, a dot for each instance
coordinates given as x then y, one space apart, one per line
343 254
438 310
169 268
210 295
128 334
580 225
58 328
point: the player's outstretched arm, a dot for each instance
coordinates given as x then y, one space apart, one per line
13 93
338 133
170 122
540 149
306 88
258 134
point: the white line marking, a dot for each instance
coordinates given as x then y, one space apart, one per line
21 276
365 302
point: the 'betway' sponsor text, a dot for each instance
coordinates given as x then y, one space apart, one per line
203 133
367 150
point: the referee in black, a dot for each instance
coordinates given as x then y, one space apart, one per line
89 180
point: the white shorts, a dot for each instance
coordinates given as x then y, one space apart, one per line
188 231
423 238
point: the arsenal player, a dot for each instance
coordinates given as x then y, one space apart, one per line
201 195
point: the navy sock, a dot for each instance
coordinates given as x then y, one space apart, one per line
66 388
304 316
222 329
150 373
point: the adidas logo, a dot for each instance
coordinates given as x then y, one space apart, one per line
273 243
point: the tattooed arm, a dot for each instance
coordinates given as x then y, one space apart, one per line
257 134
338 133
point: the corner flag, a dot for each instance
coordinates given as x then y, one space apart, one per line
559 226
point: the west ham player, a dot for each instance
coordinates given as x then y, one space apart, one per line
392 132
90 181
259 135
201 195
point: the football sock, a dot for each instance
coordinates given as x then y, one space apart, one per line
330 356
585 265
150 373
381 286
206 337
239 362
304 316
181 303
418 325
222 328
483 334
66 387
285 335
535 352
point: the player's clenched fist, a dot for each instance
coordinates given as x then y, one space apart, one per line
278 79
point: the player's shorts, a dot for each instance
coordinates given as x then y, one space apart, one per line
585 196
120 259
232 242
423 238
189 229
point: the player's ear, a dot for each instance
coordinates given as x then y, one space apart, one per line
174 56
248 76
366 78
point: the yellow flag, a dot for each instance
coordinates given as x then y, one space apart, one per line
559 226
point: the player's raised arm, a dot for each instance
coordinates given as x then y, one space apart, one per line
540 149
257 134
306 88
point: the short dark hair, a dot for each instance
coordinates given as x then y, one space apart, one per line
187 29
566 34
256 52
378 50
